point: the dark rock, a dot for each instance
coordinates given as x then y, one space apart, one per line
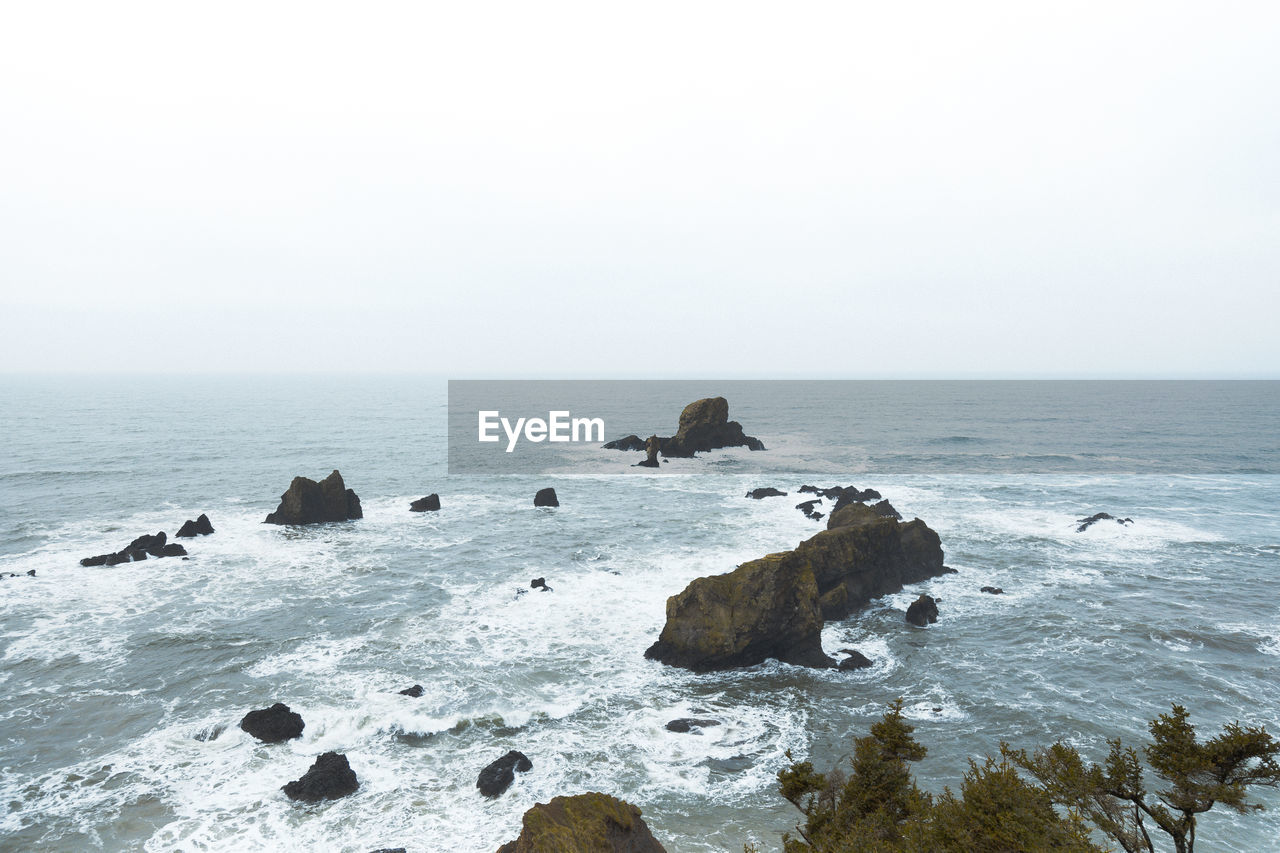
156 545
415 691
539 583
31 573
923 611
430 503
807 507
388 850
767 492
309 502
200 527
546 497
774 607
855 660
705 425
994 590
329 778
1086 523
886 509
631 442
586 823
273 725
173 549
652 446
684 724
499 774
852 494
732 764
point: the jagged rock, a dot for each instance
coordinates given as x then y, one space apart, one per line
685 724
886 509
855 660
774 607
430 503
767 492
273 725
923 611
200 527
652 446
499 774
852 494
329 778
415 691
1086 523
539 584
546 497
807 507
994 590
631 442
139 549
309 502
705 425
586 823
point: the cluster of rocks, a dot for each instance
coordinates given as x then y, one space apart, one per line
191 528
704 426
1086 523
775 606
330 775
147 545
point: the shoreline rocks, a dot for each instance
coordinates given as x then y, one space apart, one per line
329 778
498 775
273 725
775 606
144 546
201 526
309 502
586 823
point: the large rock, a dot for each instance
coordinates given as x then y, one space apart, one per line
498 775
201 526
546 497
923 611
774 607
430 503
274 724
309 502
586 823
705 425
329 778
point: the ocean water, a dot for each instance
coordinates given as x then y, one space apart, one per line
121 687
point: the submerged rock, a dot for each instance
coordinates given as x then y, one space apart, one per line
855 660
994 590
766 492
1086 523
775 606
923 611
274 724
200 527
309 502
430 503
415 691
586 823
546 497
329 778
498 775
686 724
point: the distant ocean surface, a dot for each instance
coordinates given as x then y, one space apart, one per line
121 688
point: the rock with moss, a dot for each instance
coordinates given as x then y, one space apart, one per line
705 425
309 502
586 823
775 606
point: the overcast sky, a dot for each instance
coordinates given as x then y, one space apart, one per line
657 189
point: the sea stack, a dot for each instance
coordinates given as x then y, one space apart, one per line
309 502
546 497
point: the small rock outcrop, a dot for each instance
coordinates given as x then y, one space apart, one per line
652 446
539 584
766 492
807 507
923 611
705 425
144 546
775 606
329 778
1086 523
415 691
498 775
686 724
309 502
430 503
546 497
631 442
201 526
855 660
273 725
993 590
586 823
886 509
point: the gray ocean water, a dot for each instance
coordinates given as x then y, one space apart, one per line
121 687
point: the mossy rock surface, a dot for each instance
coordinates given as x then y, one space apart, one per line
586 823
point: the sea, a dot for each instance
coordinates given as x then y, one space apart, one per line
121 688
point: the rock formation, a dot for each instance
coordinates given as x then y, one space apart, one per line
546 497
309 502
686 724
631 442
807 507
329 778
652 446
200 527
704 425
855 660
498 775
273 725
774 607
414 692
766 492
923 611
993 590
139 549
1086 523
430 503
586 823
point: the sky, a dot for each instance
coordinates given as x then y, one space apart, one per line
851 189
